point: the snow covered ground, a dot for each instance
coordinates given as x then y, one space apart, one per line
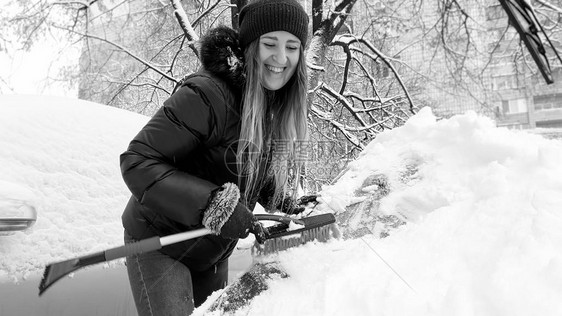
482 206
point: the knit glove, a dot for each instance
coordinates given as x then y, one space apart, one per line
305 199
293 207
227 217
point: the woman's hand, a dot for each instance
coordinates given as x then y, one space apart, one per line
240 223
293 207
259 231
227 217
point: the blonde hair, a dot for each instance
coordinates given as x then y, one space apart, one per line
274 127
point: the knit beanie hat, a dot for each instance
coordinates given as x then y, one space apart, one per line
263 16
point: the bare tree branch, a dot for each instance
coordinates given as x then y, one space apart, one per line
343 101
550 6
84 4
205 13
326 117
131 54
349 39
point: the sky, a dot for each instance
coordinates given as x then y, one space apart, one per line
37 70
481 206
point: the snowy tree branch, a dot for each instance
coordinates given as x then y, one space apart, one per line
186 27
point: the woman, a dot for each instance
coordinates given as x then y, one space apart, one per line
212 151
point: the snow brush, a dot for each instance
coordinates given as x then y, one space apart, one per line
287 235
314 227
56 271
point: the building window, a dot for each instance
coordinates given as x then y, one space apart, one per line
505 106
514 106
504 82
548 101
557 73
381 69
495 12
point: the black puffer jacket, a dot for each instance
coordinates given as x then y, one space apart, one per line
185 152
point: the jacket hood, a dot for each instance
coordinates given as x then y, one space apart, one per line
222 56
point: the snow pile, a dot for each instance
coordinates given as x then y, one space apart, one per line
481 206
483 237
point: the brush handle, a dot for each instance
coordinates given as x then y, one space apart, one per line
137 247
55 271
279 218
152 243
175 238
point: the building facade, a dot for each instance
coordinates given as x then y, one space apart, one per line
498 77
522 99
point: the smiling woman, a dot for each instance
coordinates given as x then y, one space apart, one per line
179 168
273 34
279 54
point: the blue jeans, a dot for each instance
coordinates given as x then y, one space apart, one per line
162 285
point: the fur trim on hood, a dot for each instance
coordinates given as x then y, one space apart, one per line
221 55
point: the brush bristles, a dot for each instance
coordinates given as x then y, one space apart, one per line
321 234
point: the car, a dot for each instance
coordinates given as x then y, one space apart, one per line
61 197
